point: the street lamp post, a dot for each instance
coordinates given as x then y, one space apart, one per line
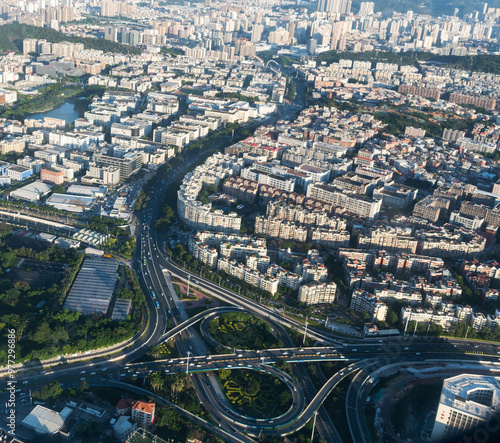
305 333
187 362
314 425
407 321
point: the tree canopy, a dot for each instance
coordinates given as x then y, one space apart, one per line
12 34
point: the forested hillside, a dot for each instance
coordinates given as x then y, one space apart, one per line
12 35
480 63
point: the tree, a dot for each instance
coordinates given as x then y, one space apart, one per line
49 391
59 189
224 374
43 334
285 397
392 318
291 91
252 387
84 386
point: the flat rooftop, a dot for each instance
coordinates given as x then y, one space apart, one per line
93 287
477 395
46 421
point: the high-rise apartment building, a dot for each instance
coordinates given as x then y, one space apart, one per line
143 413
341 6
467 401
366 8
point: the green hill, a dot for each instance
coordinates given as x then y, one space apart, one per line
477 63
432 7
13 34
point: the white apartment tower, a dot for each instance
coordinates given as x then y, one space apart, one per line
341 6
467 401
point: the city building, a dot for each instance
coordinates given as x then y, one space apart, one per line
128 165
46 421
354 203
18 173
315 293
52 175
143 413
363 301
467 402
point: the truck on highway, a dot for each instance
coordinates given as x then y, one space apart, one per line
157 305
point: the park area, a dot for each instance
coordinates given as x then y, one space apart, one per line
243 331
255 394
195 298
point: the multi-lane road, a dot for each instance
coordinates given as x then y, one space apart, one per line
168 320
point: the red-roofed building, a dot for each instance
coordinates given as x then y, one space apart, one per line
143 413
123 407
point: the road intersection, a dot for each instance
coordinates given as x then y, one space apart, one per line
168 320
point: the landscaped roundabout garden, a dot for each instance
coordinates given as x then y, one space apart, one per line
254 393
241 330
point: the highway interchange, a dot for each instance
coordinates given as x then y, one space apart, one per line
155 268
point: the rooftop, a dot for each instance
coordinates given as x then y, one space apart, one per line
477 395
144 406
46 421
